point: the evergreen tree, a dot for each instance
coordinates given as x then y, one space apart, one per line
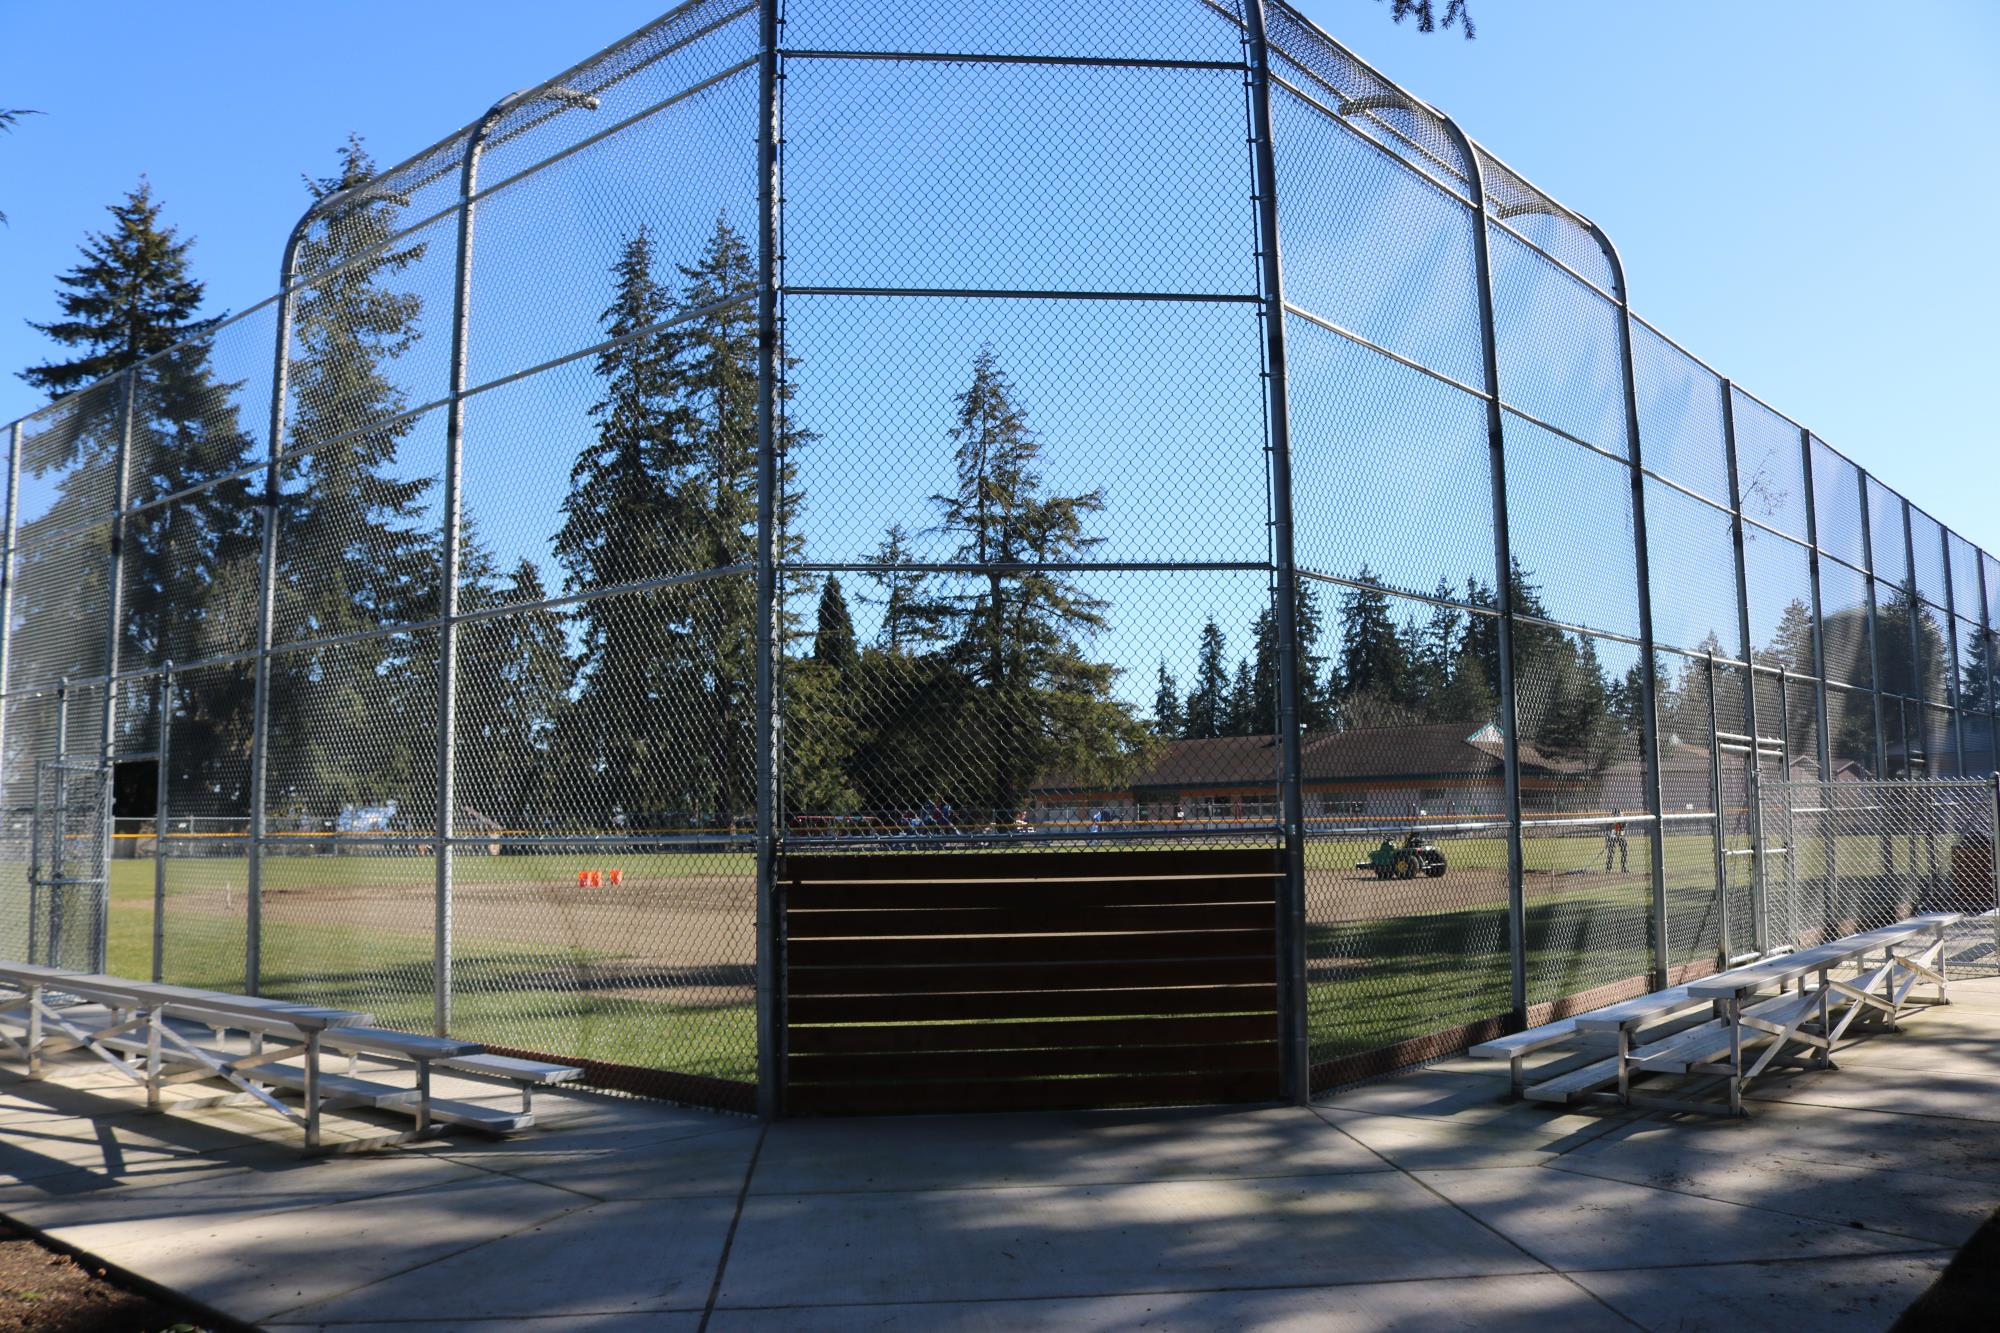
358 548
1374 661
515 675
133 295
1792 645
1207 709
902 593
664 712
833 633
190 569
1467 696
1242 708
1568 715
1433 651
1976 683
1029 701
1168 719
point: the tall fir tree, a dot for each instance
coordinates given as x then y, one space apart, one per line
901 593
665 715
133 295
1374 659
131 306
833 629
358 548
1030 702
515 675
1207 710
1168 719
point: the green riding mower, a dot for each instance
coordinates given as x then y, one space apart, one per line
1416 856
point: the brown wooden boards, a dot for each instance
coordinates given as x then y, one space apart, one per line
966 981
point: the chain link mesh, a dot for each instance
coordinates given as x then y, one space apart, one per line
1023 515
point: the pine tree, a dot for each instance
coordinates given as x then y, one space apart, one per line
1976 683
902 593
665 709
515 675
133 295
1207 711
1792 644
1374 660
190 569
833 632
1031 703
1241 712
358 548
1168 719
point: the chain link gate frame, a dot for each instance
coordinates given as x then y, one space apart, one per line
385 803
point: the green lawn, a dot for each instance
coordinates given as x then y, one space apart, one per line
1420 956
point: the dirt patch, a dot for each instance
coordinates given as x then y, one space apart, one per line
45 1292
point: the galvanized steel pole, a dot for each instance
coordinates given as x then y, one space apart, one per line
161 813
1727 947
770 911
1648 667
114 638
1916 685
1503 566
1753 823
1952 674
1874 642
1295 1049
1821 711
447 657
7 579
260 696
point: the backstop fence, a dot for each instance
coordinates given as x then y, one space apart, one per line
830 424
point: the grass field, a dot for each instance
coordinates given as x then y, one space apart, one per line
659 971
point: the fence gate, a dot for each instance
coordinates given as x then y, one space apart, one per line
973 981
69 893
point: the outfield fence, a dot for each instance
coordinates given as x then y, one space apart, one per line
817 424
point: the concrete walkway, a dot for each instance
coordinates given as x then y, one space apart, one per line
1422 1202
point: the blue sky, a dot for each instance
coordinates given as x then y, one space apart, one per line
1806 207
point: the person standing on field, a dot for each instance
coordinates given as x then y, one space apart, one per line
1614 841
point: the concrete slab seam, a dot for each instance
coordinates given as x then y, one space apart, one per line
729 1238
1494 1231
326 1297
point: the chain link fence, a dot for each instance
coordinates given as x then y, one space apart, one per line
1858 855
828 425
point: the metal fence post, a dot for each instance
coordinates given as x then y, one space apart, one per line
1715 803
1821 713
114 638
447 651
7 582
1503 564
770 912
1874 643
1952 677
260 698
1295 1051
1649 729
1916 684
1753 825
161 813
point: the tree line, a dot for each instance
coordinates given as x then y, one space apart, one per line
622 697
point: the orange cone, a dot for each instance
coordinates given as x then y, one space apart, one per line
617 878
